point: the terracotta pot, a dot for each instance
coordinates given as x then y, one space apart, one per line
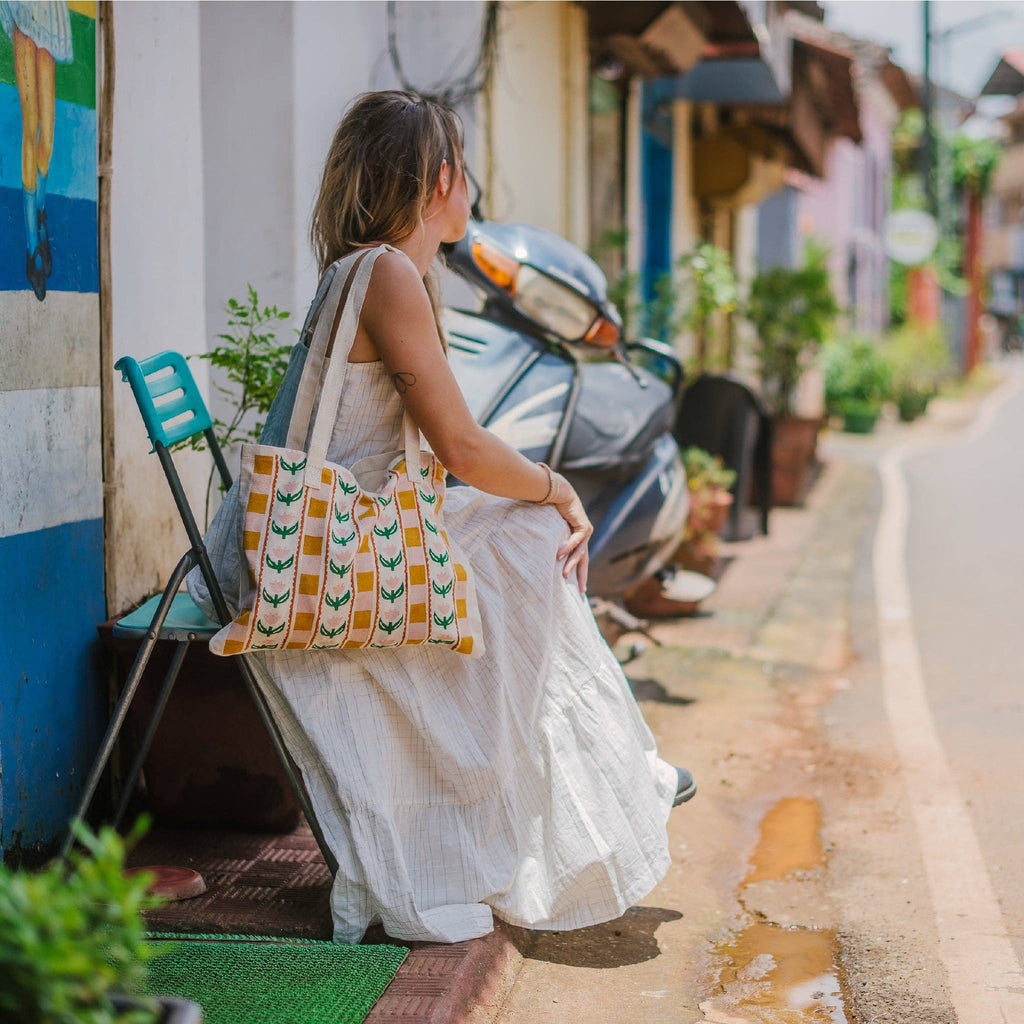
794 443
212 763
721 502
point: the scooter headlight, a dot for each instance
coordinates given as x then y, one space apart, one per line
553 305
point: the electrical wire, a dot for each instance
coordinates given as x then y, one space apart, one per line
464 87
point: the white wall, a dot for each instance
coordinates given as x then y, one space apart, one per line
157 270
539 110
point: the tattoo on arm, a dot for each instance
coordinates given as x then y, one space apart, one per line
403 381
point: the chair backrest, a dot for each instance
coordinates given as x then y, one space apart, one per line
176 418
179 417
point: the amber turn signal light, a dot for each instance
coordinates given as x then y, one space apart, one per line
603 333
499 267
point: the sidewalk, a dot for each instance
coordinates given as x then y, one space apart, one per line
726 695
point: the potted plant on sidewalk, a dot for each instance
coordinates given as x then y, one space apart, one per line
72 940
918 361
793 310
709 482
857 382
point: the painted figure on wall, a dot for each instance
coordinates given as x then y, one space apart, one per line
40 32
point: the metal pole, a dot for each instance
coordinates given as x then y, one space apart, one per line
927 101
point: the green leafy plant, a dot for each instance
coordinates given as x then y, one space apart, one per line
706 470
700 284
72 934
918 361
793 311
858 376
254 365
708 480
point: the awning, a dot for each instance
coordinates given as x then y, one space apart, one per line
656 38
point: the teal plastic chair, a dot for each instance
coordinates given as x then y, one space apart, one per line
173 615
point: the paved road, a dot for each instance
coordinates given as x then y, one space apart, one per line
965 563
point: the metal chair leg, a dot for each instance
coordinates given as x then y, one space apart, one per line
289 766
127 694
128 786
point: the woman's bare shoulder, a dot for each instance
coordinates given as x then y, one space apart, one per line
396 289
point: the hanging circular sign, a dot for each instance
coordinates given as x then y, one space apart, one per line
910 236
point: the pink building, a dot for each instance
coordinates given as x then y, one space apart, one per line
847 207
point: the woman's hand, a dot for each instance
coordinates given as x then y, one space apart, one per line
568 503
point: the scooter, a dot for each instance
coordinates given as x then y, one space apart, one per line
542 364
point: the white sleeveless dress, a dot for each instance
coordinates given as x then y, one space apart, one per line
525 782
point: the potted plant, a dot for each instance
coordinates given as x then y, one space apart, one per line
918 360
709 483
72 940
857 381
793 310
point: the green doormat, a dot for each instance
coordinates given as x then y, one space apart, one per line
257 979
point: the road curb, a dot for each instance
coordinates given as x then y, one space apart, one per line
450 983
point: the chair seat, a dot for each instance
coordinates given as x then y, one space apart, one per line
184 621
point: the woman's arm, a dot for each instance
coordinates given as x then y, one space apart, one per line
399 320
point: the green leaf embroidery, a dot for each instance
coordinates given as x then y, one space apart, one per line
431 640
343 540
323 647
347 488
289 498
424 470
293 467
441 559
384 502
428 498
443 591
341 517
262 647
339 570
283 531
430 526
391 563
337 602
276 599
446 622
280 566
390 627
392 595
386 531
332 633
269 630
382 645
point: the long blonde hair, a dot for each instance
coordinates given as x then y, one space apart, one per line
380 173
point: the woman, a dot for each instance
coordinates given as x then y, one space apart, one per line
40 33
524 782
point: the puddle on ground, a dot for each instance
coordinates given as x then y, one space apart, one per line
771 974
789 840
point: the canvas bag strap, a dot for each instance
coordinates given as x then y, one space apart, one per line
330 293
344 333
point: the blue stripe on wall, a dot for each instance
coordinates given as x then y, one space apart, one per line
73 233
52 695
73 164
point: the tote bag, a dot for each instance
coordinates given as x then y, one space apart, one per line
332 564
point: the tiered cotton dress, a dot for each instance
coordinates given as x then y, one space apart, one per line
524 782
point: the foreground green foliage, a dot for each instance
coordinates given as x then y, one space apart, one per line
70 936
